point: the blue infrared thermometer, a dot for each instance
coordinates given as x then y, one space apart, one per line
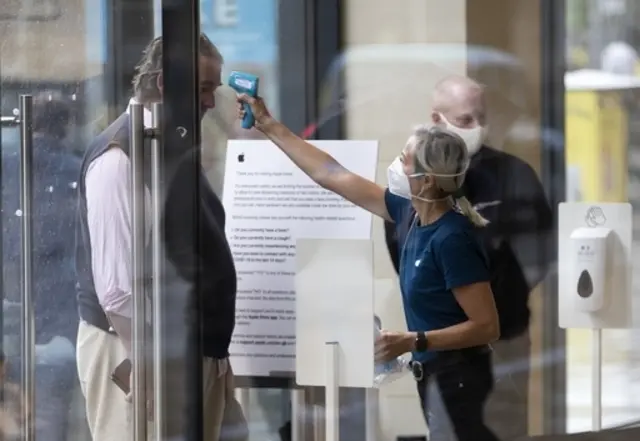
246 83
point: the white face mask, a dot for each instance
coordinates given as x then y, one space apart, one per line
473 138
399 181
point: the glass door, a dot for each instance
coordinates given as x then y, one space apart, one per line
88 284
45 76
191 71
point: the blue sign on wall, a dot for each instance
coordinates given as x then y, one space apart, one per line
95 24
243 30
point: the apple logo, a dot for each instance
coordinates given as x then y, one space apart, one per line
241 157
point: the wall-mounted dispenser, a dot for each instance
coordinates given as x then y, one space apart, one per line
594 266
590 268
595 275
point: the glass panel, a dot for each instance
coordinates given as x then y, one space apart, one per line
248 34
601 160
390 78
44 57
76 59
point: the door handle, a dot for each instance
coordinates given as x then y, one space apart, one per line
138 232
11 121
28 319
140 351
157 271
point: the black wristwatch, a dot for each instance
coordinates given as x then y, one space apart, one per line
421 342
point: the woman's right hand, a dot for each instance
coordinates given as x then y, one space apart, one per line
258 107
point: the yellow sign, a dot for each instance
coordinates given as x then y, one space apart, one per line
596 143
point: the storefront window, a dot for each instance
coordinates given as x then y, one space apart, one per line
82 55
559 106
390 65
602 69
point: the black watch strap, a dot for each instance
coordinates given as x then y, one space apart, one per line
421 342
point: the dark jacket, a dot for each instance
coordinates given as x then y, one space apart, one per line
519 239
55 175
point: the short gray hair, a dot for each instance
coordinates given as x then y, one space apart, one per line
444 154
145 80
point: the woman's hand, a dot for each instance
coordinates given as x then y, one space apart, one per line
259 109
393 344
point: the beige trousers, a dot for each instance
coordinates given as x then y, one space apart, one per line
108 412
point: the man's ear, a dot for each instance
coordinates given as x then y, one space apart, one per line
159 83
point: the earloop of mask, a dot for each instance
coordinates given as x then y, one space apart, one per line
459 192
450 175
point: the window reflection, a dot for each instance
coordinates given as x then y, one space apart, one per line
377 86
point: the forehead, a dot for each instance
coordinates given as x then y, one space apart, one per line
210 70
408 154
409 150
460 102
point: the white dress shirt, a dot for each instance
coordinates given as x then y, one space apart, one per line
108 193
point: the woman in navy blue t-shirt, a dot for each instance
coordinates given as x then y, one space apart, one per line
444 276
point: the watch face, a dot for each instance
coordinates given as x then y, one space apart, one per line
421 342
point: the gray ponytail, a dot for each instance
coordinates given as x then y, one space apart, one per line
444 154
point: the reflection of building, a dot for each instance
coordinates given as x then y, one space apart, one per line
597 132
37 46
43 47
62 45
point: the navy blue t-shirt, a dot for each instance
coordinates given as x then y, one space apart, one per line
436 259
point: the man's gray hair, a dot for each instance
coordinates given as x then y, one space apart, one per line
145 80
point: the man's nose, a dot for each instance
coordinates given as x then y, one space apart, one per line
208 102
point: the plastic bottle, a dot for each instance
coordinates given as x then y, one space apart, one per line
390 370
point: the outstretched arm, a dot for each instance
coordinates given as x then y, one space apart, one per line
317 164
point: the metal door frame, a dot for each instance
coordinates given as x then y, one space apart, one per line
24 121
123 50
553 35
180 133
176 303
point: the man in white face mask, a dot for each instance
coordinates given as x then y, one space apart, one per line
459 106
506 191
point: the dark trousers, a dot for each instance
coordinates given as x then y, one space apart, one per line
507 410
453 392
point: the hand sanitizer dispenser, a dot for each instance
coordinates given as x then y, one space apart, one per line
590 264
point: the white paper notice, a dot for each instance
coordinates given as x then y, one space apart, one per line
269 204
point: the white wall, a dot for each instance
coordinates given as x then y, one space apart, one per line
386 98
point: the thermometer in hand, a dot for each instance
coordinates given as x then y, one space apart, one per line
246 83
